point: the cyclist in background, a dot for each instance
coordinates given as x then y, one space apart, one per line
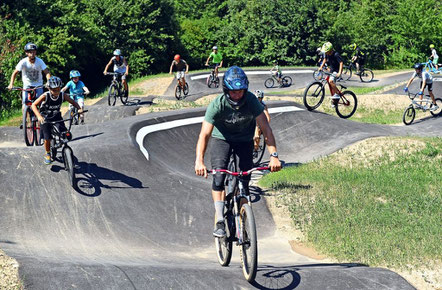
427 81
217 59
260 96
50 104
358 57
77 90
335 64
276 71
231 120
182 68
120 66
321 56
434 56
31 68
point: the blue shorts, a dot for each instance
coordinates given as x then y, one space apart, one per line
25 94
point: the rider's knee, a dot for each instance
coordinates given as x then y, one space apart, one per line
218 181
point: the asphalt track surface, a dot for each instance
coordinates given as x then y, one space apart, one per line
146 224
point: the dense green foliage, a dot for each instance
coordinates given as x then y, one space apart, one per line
82 34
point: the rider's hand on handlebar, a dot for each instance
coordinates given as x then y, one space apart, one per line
200 169
41 119
274 164
9 87
105 72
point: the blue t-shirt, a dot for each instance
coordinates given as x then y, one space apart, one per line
76 88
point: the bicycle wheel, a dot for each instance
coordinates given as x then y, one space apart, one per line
408 116
224 245
258 153
186 89
249 247
53 149
347 104
366 75
317 75
68 160
269 83
438 112
28 128
112 95
313 96
286 81
178 92
346 73
124 96
73 115
209 80
216 82
38 136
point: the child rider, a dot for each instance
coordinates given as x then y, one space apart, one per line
427 81
77 90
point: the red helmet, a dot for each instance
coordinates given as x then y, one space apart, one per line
177 57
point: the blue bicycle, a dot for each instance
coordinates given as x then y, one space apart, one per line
430 67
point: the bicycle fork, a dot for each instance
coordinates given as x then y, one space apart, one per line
239 231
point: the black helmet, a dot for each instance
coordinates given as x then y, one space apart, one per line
235 79
418 66
30 46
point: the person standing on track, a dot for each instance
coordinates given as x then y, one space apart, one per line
31 68
182 68
217 59
231 121
335 64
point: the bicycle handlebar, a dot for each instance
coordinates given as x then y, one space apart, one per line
113 73
69 119
240 173
27 89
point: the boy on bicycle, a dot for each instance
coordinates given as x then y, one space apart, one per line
335 64
260 96
358 57
50 104
182 68
217 59
120 66
427 81
276 71
231 120
77 90
434 56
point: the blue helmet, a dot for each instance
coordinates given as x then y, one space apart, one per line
117 52
74 74
235 79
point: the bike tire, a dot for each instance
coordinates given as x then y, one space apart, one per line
259 153
366 75
224 245
346 105
439 104
269 83
53 150
287 81
112 95
209 81
409 115
249 247
313 96
217 82
124 96
317 75
68 159
38 135
178 92
186 89
346 73
72 114
28 128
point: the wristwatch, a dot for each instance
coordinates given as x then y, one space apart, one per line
274 154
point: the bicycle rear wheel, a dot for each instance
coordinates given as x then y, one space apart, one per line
408 116
346 73
28 128
124 96
269 83
438 112
68 159
313 96
249 247
366 75
286 81
259 152
347 104
112 95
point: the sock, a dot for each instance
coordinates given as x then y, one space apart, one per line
219 210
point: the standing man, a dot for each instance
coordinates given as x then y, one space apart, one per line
31 68
217 59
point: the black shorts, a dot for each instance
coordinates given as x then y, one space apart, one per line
46 128
220 156
428 86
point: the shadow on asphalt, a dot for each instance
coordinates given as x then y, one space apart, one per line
87 136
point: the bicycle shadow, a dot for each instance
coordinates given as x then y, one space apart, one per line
141 102
288 277
424 119
86 136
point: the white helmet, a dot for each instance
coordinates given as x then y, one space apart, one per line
259 94
54 82
215 48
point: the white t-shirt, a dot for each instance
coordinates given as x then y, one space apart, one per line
434 53
31 73
424 75
119 66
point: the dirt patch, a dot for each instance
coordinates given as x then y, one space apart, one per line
9 278
154 86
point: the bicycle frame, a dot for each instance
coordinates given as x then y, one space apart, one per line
431 67
415 103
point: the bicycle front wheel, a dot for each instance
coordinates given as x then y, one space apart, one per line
112 95
224 245
438 112
347 104
68 158
317 75
249 247
186 89
73 115
28 128
216 82
286 81
366 75
38 136
269 83
124 96
258 152
313 96
178 92
408 116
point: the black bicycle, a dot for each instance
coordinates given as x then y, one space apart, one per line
212 80
239 221
60 140
181 91
73 111
285 81
366 75
116 90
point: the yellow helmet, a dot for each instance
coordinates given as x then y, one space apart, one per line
353 46
326 47
431 45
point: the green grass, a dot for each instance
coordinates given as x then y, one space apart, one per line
377 211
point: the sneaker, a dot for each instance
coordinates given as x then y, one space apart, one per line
48 159
219 231
434 108
335 97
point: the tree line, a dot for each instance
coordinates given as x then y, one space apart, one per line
81 34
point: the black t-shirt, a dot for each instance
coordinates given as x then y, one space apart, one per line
50 107
180 66
359 53
333 61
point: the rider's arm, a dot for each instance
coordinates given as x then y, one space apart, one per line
187 68
71 101
207 61
201 146
424 83
221 63
11 83
127 66
64 89
322 64
47 73
86 90
35 106
171 67
275 164
341 64
107 66
410 81
266 112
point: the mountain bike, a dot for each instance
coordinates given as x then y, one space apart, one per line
30 124
116 90
258 151
60 140
430 67
181 91
286 81
317 73
212 79
425 104
366 75
73 111
239 221
315 92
